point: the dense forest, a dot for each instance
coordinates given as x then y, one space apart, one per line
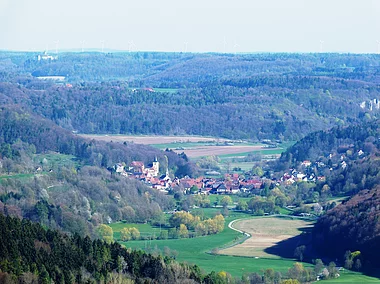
259 96
352 227
31 254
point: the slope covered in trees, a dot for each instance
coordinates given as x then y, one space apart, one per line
352 226
81 191
346 156
31 254
260 96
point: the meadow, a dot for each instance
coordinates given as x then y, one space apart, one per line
48 161
203 251
208 251
348 276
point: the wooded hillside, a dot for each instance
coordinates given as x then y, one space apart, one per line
31 254
253 96
64 181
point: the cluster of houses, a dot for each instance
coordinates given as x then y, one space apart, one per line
229 184
305 174
294 175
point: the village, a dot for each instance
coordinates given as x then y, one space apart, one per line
229 183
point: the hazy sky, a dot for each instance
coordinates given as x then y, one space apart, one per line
196 26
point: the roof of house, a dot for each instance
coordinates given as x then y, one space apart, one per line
137 164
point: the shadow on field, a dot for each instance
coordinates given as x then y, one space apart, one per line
286 247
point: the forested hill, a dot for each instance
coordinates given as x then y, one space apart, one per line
352 226
348 158
31 254
63 181
344 140
252 96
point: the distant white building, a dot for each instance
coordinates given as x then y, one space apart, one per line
52 78
46 56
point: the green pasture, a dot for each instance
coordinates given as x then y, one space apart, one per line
197 250
347 276
184 145
245 166
235 198
22 177
55 160
165 90
285 211
269 151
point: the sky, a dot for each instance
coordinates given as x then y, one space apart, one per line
191 26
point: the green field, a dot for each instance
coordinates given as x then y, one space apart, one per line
197 250
235 198
245 166
16 176
165 90
55 160
146 230
347 276
263 152
185 145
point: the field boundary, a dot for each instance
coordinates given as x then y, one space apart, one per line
238 241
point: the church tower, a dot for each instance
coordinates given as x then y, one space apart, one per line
156 166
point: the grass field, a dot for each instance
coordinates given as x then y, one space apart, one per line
165 90
221 151
266 232
54 160
146 230
16 176
347 276
235 198
47 161
197 250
